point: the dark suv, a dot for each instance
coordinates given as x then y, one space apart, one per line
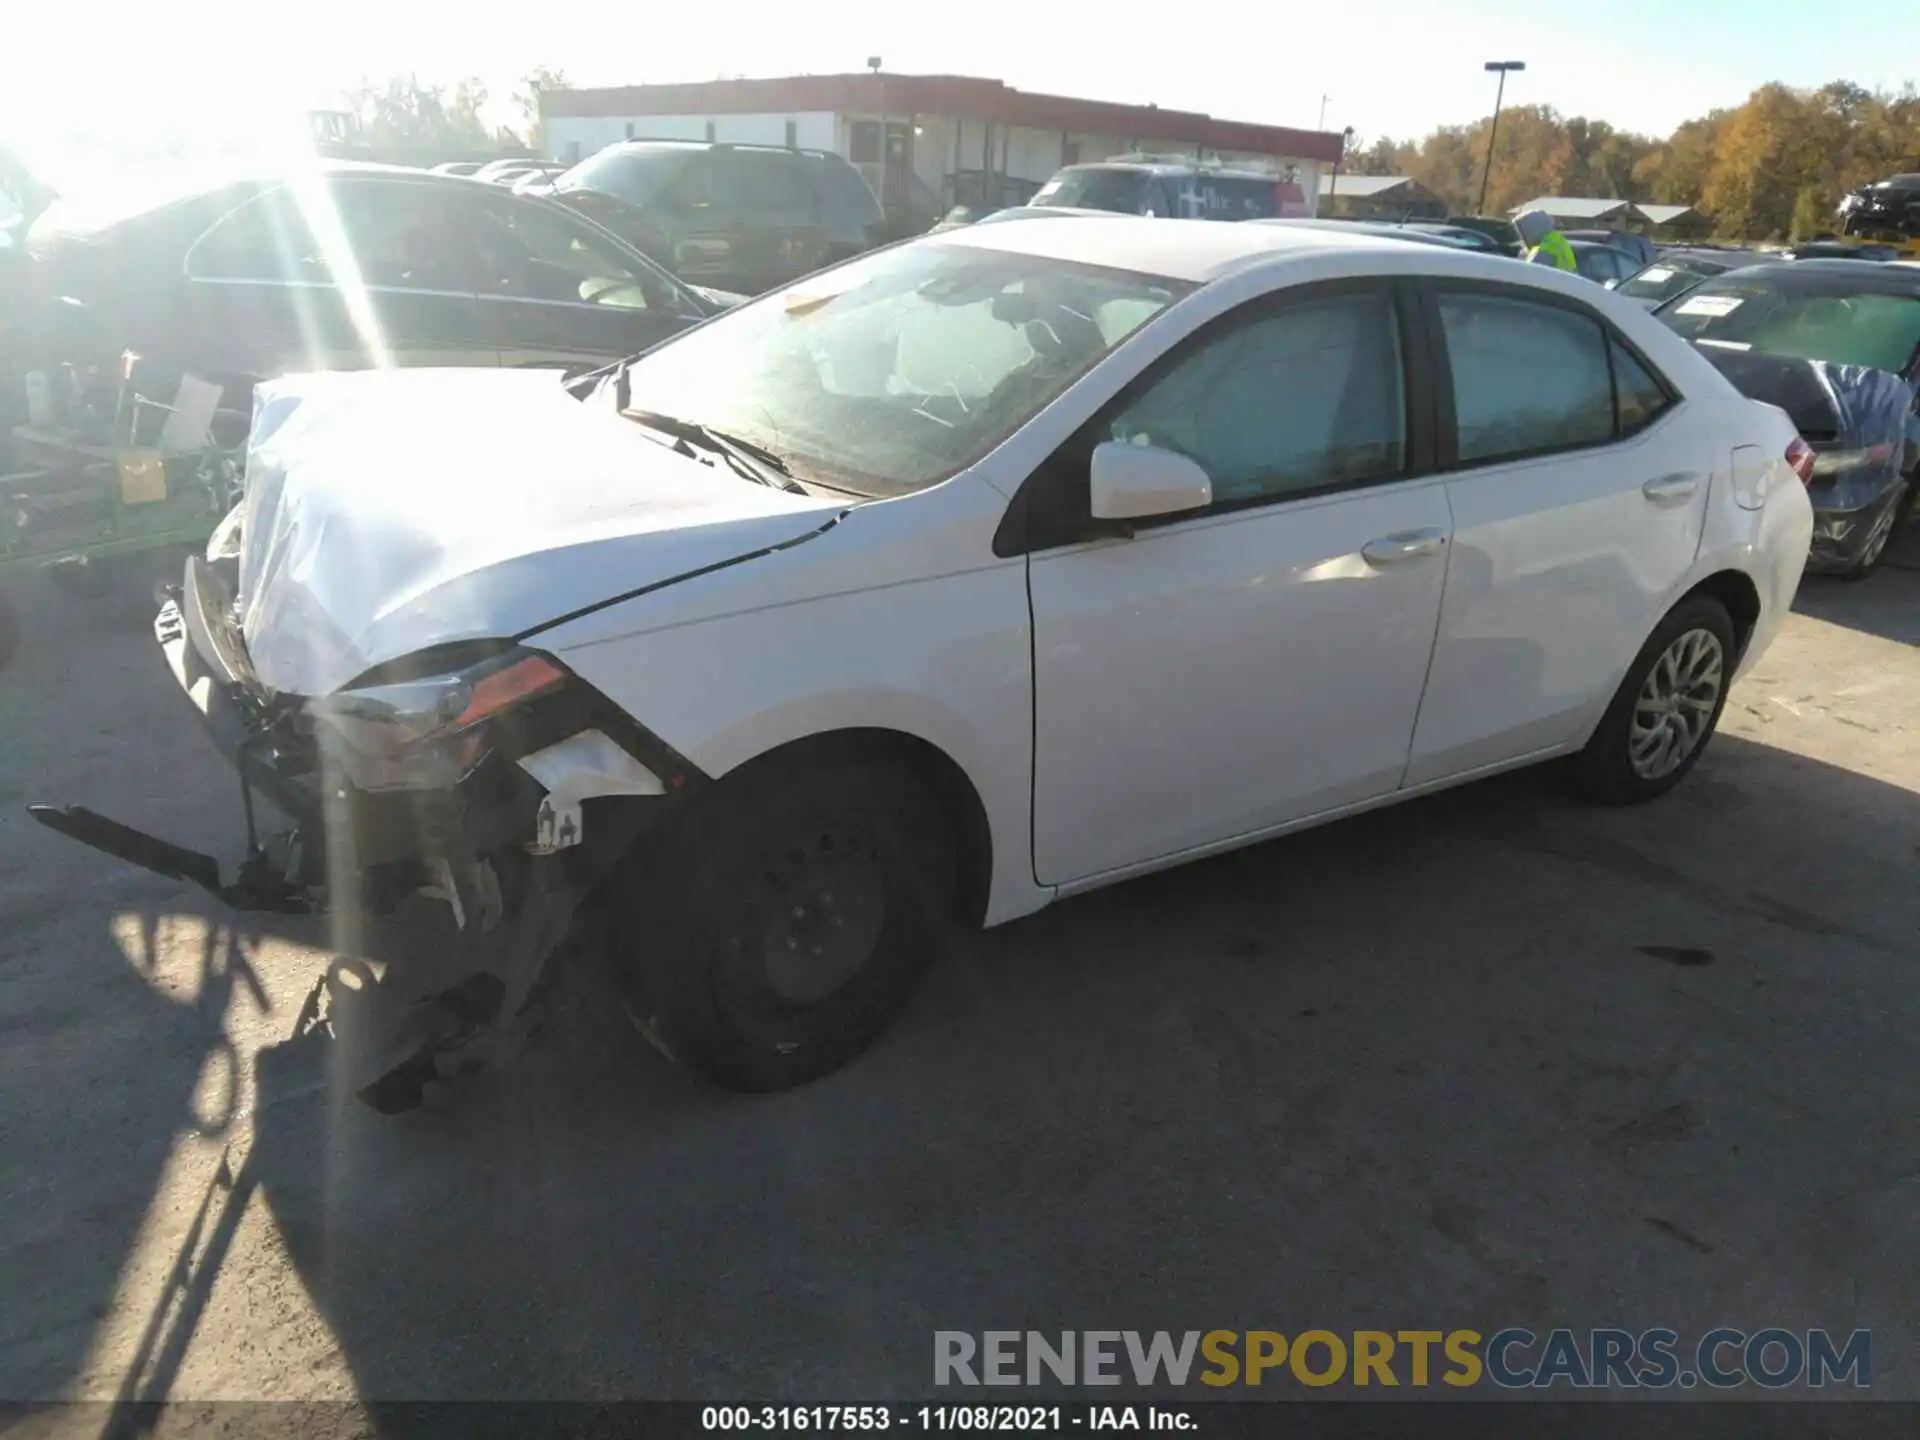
744 218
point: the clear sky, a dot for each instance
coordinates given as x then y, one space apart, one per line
233 69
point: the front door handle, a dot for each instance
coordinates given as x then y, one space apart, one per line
1675 489
1407 545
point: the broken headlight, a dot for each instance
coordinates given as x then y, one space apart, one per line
428 732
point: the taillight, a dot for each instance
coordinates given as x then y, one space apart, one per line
1800 457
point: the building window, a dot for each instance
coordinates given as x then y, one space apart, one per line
793 134
1070 152
710 130
573 152
863 142
629 129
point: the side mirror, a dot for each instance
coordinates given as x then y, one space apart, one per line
1137 482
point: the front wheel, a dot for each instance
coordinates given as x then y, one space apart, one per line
784 921
1666 709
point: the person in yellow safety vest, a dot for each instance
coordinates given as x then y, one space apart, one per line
1545 245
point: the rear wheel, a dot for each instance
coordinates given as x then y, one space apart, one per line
1880 537
784 921
1666 709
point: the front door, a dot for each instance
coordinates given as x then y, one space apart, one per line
554 292
1262 661
1576 517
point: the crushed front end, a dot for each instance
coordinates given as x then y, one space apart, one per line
481 774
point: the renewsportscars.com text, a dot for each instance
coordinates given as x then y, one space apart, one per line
1512 1358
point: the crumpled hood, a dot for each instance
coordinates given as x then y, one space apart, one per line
1838 409
389 511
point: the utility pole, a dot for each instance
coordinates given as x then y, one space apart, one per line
1486 174
1321 123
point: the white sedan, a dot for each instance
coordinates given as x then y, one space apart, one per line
978 571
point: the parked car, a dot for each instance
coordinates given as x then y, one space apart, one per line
1169 186
885 599
506 169
1840 250
740 217
536 179
1678 271
1601 263
361 266
1887 210
1639 247
1836 345
1385 230
1462 235
1494 227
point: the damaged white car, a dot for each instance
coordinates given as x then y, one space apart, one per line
975 572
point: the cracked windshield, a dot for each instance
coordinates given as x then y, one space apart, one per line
917 723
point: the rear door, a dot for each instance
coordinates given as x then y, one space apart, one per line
1578 484
554 291
359 273
776 216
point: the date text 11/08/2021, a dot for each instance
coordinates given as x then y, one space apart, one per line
944 1417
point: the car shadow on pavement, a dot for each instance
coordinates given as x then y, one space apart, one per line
1886 603
1492 1056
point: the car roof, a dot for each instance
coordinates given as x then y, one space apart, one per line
1173 167
1195 250
1833 276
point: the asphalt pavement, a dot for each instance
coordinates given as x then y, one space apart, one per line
1489 1058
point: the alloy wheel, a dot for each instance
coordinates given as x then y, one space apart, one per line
1676 704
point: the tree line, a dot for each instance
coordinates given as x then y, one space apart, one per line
401 113
1772 168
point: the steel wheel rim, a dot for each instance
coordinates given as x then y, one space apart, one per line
807 932
1676 704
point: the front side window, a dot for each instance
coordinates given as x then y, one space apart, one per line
895 371
1304 398
1527 377
530 252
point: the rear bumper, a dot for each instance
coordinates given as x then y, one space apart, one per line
1840 536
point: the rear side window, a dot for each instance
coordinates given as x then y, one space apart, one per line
1527 377
764 183
844 196
1639 398
1224 197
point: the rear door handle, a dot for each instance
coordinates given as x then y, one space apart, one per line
1407 545
1674 489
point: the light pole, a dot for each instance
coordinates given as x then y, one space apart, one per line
1333 189
1503 66
1321 123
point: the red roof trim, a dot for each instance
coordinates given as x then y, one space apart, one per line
963 95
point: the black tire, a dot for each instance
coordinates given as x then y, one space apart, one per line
1606 771
1881 539
720 912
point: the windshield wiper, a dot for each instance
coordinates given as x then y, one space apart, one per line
756 462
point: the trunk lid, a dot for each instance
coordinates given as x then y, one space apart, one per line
386 512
